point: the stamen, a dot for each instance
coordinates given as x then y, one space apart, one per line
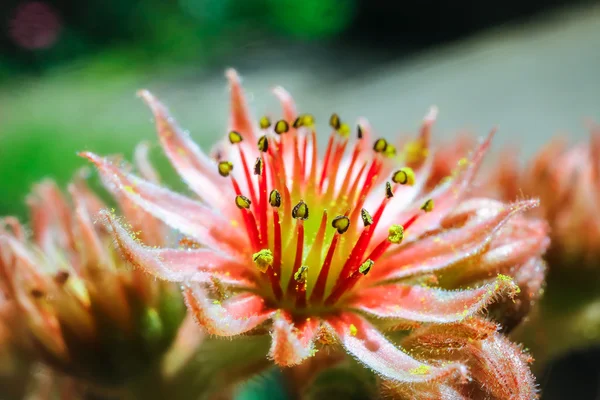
275 198
265 122
341 223
263 144
263 259
359 131
366 266
299 251
300 211
389 193
380 145
427 206
326 161
390 150
404 176
366 217
281 127
395 236
334 121
301 274
319 289
258 166
235 137
344 130
242 201
225 168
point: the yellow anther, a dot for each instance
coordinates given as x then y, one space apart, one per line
334 121
344 130
390 150
359 131
353 330
275 198
225 168
341 223
300 210
366 267
242 201
389 193
235 137
265 122
380 145
297 122
263 259
404 176
281 126
366 217
301 274
396 234
263 144
258 166
427 206
415 151
308 120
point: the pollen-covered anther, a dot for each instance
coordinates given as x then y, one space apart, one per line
301 274
263 144
380 145
304 120
225 168
242 201
258 166
265 122
390 150
427 206
275 198
366 267
281 127
300 211
341 223
263 259
396 234
334 121
389 193
366 217
235 137
404 176
344 130
359 131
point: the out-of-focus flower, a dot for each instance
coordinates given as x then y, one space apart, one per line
334 250
88 314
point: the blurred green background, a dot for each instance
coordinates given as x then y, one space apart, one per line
69 71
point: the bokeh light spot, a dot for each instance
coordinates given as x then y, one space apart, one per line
35 25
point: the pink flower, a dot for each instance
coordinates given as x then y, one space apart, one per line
86 312
332 250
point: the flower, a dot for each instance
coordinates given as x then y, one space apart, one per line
88 314
332 250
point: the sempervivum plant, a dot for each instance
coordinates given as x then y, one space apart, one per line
347 249
86 312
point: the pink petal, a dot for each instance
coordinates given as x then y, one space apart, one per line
436 252
187 216
287 103
293 342
234 316
239 120
143 164
367 345
199 265
447 196
194 166
424 304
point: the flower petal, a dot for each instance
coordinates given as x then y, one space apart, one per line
239 119
293 342
425 304
199 265
194 166
189 217
231 317
367 345
436 252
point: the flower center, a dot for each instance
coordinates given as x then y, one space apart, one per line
312 239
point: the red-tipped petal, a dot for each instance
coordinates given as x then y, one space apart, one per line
424 304
187 216
176 265
240 119
436 252
194 166
293 342
367 345
234 316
